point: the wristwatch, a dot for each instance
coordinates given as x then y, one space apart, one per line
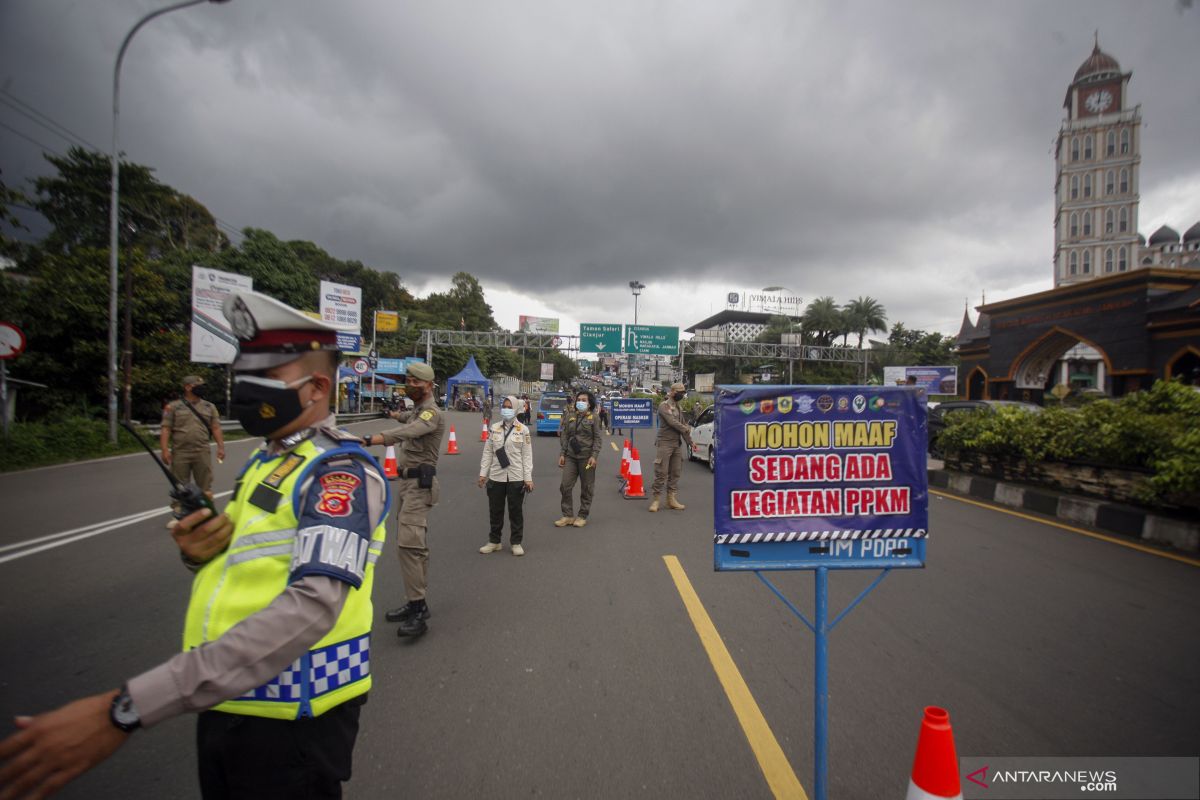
122 714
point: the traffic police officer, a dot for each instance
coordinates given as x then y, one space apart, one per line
277 633
668 460
579 438
187 424
420 437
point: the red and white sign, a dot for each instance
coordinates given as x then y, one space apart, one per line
361 366
12 341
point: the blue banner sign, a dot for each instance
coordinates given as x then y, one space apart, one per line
396 366
812 476
633 412
349 342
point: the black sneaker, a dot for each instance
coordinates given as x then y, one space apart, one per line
413 626
406 611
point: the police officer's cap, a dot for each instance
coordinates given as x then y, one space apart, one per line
678 387
421 371
194 380
271 333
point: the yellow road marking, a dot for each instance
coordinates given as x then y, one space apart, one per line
774 764
1131 545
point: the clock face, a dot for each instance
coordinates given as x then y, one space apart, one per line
1098 101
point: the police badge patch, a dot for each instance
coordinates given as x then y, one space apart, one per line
337 493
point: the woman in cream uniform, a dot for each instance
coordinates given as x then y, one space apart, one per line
506 469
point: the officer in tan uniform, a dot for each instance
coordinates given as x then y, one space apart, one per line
187 424
579 437
420 437
673 431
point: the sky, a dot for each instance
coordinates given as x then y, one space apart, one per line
557 151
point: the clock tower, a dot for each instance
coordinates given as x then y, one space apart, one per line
1096 166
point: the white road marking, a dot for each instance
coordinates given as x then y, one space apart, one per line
53 540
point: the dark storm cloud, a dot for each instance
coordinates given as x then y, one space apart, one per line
897 150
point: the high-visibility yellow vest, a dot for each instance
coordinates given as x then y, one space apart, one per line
254 570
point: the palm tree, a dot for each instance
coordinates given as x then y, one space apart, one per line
865 314
822 320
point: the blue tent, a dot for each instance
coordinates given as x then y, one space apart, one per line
470 376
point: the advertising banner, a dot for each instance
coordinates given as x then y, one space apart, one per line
396 366
538 324
933 380
341 305
810 476
547 371
213 341
349 342
705 382
632 412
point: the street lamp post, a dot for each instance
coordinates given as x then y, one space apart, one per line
637 287
113 215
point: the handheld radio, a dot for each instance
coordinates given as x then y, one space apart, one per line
190 497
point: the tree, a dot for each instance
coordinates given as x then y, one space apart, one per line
822 321
864 314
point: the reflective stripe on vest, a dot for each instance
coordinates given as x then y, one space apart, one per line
254 570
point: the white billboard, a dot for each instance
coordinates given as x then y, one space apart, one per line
538 324
341 305
548 371
705 381
213 341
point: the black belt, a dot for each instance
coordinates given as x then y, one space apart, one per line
414 472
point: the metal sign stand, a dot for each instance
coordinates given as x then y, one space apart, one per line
821 630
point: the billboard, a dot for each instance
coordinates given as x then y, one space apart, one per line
538 324
820 476
213 341
387 321
705 382
341 305
933 380
547 371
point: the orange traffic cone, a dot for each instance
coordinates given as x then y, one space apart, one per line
624 476
483 433
634 490
389 463
935 769
452 449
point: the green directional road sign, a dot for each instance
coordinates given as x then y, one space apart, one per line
652 340
599 338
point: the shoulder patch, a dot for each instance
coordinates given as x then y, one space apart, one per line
337 493
426 415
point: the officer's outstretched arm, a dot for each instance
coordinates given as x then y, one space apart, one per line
54 748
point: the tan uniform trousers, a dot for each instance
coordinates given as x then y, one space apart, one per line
194 465
576 468
668 464
412 522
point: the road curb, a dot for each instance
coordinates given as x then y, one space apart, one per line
1123 520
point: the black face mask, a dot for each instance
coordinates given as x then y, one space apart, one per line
263 405
678 395
198 391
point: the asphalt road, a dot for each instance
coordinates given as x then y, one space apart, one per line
576 671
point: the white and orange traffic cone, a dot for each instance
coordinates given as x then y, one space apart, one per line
452 448
624 475
935 769
483 433
389 463
634 490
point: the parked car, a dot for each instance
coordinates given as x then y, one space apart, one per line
550 411
940 414
703 445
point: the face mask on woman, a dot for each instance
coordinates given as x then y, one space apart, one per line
508 413
582 405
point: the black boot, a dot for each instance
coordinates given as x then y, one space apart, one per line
407 610
413 626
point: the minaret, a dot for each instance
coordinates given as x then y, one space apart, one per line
1096 166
